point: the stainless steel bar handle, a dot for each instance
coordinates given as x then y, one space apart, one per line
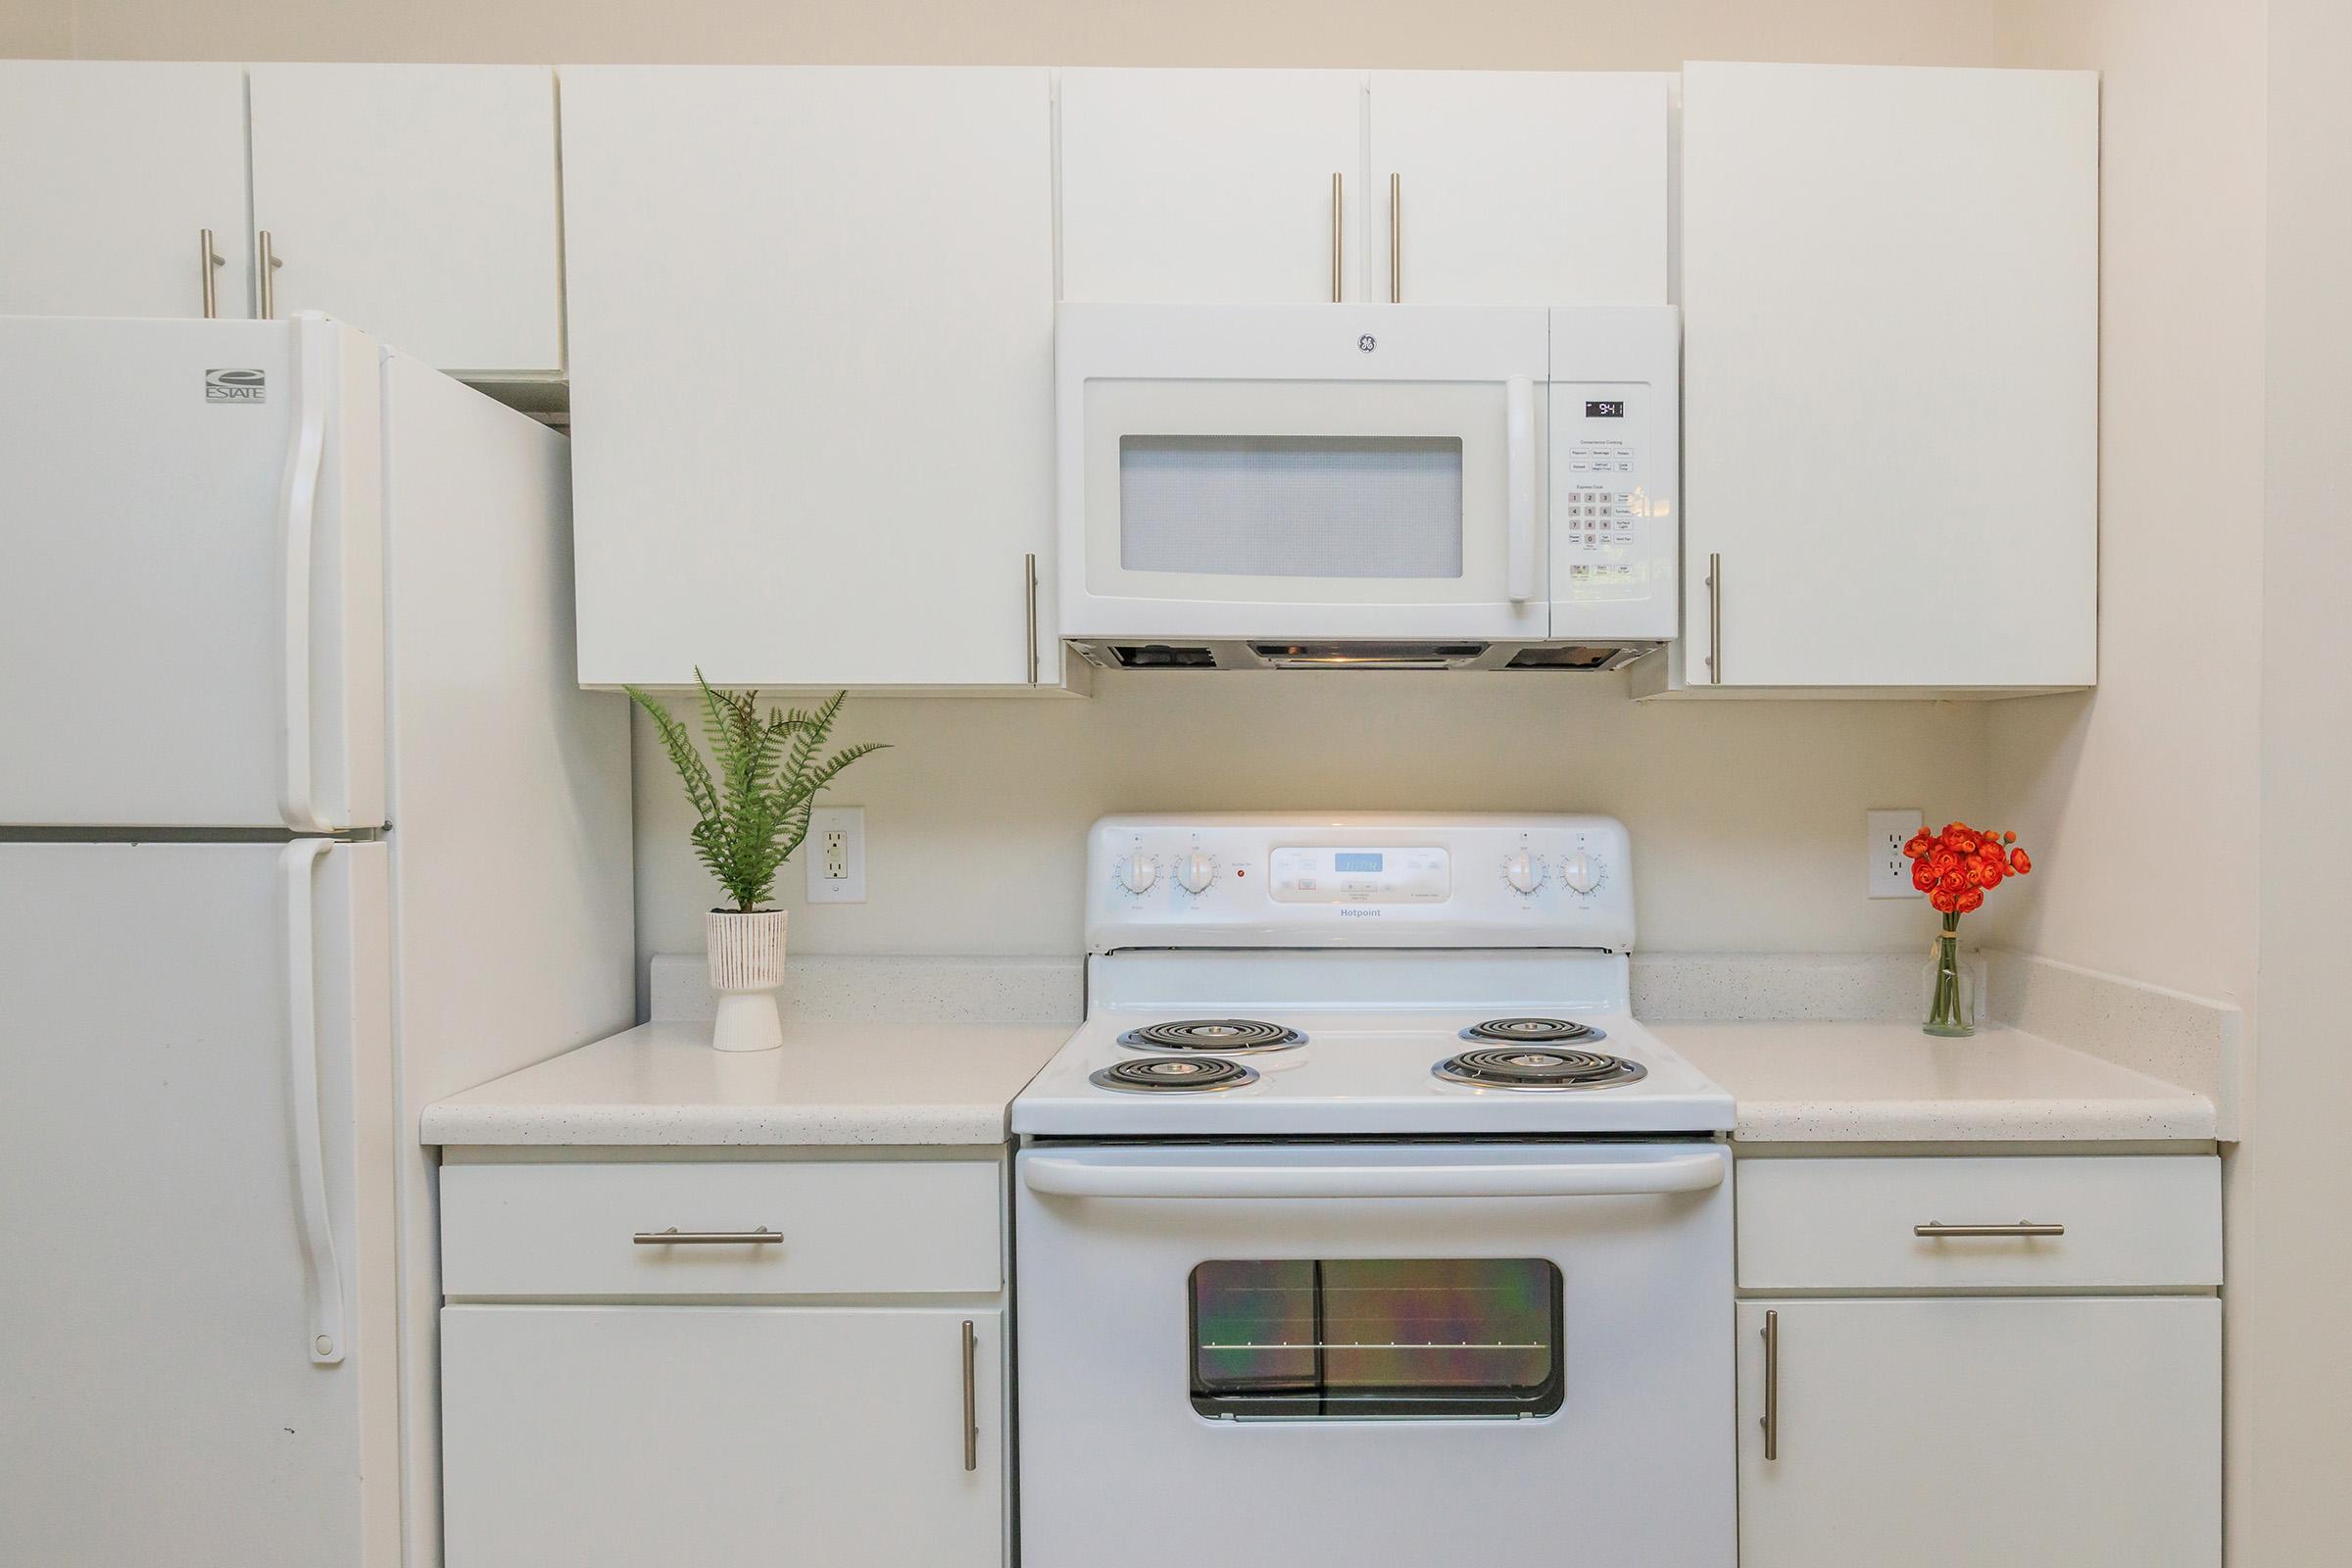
1396 239
1029 591
675 1237
270 263
2024 1227
1772 1386
208 261
971 1397
1337 229
1715 621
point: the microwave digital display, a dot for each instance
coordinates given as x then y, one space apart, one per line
1613 408
1347 860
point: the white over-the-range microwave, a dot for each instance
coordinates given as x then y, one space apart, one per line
1370 487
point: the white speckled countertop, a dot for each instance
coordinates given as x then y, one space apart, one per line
1889 1082
661 1085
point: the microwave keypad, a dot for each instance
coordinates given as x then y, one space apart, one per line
1602 518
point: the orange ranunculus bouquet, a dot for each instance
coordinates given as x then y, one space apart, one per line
1955 870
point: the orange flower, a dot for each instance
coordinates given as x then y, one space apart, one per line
1920 843
2008 838
2020 862
1986 870
1954 881
1960 839
1944 860
1945 900
1972 899
1923 876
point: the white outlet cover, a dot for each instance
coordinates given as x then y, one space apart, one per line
1889 872
850 823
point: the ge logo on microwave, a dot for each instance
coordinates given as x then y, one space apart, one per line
1367 343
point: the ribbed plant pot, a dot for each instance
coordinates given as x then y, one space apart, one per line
747 966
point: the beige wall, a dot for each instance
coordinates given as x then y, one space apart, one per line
1747 817
1489 33
2299 1180
35 30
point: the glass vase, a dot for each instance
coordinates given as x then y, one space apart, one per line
1949 1012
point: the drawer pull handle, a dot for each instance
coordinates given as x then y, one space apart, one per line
1771 1423
2024 1227
675 1237
971 1397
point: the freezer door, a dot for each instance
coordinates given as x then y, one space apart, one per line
191 607
197 1341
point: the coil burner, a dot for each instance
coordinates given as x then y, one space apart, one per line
1173 1075
1529 1067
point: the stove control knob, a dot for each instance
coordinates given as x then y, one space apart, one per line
1523 872
1138 872
1196 871
1579 872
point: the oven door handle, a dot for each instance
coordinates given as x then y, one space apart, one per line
1073 1176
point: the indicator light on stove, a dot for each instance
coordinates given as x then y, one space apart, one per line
1523 872
1137 873
1196 871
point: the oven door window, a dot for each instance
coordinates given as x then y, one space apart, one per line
1368 1339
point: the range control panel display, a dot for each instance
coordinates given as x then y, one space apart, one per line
1416 875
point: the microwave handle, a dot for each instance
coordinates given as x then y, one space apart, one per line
1519 419
1074 1176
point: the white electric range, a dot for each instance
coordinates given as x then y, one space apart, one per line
1362 1209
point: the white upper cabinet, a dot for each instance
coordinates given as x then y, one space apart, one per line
110 173
1210 186
1518 188
812 324
1890 285
419 203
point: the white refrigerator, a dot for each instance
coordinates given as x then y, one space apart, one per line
304 823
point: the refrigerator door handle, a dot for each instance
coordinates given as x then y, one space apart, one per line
298 520
323 1275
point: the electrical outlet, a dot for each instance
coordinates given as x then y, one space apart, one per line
835 851
1889 872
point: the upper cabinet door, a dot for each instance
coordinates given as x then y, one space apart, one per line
811 390
418 202
1210 186
1518 188
1890 375
110 173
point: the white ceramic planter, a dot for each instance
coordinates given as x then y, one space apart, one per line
747 966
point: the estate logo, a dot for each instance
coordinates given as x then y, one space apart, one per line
235 386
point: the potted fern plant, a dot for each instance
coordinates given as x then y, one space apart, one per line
751 813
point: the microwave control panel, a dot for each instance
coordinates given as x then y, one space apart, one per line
1601 522
1614 458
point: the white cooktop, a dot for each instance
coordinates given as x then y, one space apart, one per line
1364 1074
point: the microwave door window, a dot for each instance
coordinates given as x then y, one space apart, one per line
1371 1339
1294 506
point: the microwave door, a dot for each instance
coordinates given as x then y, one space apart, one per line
1335 509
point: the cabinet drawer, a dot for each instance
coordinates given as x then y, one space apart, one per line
847 1227
2149 1222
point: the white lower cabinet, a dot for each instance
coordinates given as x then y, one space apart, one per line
597 1436
1980 1431
2022 1367
795 1360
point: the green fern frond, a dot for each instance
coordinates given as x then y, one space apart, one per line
751 801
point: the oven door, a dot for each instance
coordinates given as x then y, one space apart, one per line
1304 472
1268 1355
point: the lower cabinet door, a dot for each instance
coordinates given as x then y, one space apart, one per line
1981 1433
713 1436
